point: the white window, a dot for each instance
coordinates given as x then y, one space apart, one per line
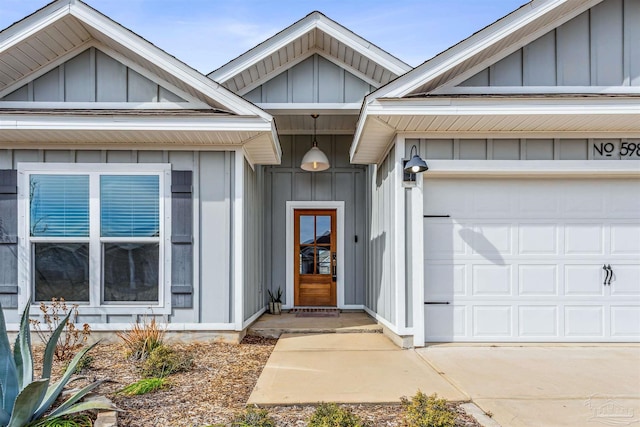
96 235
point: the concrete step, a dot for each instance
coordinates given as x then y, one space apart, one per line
272 326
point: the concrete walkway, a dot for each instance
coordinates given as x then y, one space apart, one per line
345 368
562 385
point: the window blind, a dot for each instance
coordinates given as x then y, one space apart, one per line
59 205
130 205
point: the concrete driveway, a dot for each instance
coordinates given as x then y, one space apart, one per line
561 385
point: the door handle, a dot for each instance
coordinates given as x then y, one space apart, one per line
609 274
334 266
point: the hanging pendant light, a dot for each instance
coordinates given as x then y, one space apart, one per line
315 160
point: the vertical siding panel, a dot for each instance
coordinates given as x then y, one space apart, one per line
275 90
302 81
508 71
539 61
140 88
46 88
330 82
632 39
606 43
215 208
78 81
111 79
574 62
344 192
280 194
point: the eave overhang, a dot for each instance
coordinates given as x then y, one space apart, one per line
454 117
117 130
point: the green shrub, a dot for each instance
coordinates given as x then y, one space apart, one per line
163 361
144 386
253 417
24 400
427 411
332 415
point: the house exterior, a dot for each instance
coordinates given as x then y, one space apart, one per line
133 185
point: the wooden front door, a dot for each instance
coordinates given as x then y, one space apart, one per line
315 257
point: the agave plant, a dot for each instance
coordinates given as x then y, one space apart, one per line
24 400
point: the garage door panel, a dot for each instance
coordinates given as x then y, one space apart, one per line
491 241
584 280
625 239
491 280
538 280
443 281
538 239
625 321
584 239
442 239
584 321
446 322
625 281
535 321
492 321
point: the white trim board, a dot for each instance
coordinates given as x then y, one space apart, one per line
533 168
289 235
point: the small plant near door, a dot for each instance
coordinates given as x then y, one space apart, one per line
275 301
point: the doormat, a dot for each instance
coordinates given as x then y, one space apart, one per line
316 312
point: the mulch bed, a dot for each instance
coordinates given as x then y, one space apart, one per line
214 391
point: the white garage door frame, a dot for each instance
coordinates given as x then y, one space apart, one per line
443 169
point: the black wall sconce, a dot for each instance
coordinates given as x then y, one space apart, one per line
414 166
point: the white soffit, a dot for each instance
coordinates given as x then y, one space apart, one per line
480 117
65 28
315 33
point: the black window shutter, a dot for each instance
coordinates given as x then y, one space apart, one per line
9 238
181 239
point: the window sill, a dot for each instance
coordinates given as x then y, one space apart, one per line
110 310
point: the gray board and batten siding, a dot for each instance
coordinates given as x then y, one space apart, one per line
381 284
92 76
202 205
253 279
600 47
527 149
314 80
342 182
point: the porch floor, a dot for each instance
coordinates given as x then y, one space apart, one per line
272 326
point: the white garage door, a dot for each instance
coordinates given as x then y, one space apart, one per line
527 260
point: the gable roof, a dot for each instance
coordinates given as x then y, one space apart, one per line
315 33
64 28
408 104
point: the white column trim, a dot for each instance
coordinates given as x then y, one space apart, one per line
291 206
238 240
417 261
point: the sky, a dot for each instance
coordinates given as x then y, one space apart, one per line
206 34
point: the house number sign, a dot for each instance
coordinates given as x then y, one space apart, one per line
612 150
